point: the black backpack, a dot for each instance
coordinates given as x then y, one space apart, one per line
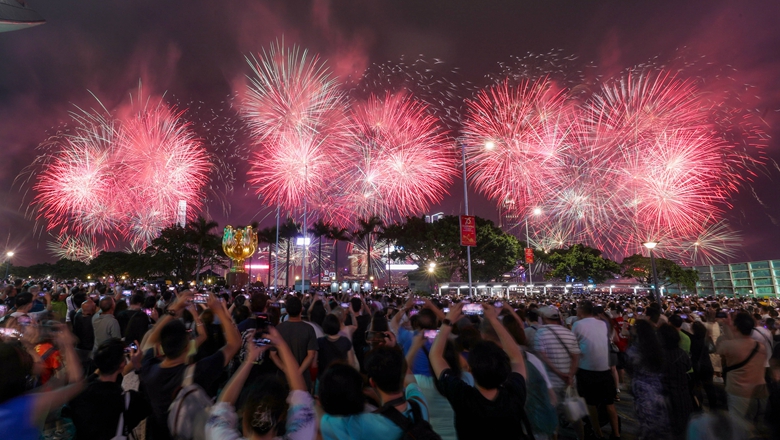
419 429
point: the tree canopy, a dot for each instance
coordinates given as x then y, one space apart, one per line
580 263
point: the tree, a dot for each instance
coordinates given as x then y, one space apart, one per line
337 234
320 229
268 235
580 263
172 254
288 230
639 267
367 227
199 232
422 243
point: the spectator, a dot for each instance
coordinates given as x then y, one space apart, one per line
594 377
745 361
300 337
645 363
82 329
342 398
58 307
498 399
124 317
161 378
677 363
362 316
333 347
105 324
271 410
96 411
21 412
557 347
49 354
702 366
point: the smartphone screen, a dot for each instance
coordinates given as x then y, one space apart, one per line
200 298
262 341
446 310
430 334
473 309
498 304
127 292
344 305
148 312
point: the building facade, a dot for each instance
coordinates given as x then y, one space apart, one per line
756 278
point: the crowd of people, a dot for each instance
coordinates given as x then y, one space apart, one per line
147 361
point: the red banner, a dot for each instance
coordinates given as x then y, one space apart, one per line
468 230
529 255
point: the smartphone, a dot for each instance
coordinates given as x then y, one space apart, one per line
131 347
413 312
473 309
344 305
262 341
200 298
721 314
41 294
446 310
371 335
430 334
127 292
498 304
630 315
171 289
684 316
419 302
148 312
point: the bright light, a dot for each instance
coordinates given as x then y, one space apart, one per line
297 278
548 285
445 286
431 267
568 285
10 253
650 244
481 286
537 211
401 266
489 145
299 241
612 286
255 266
512 286
371 278
530 285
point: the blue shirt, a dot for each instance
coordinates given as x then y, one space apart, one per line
16 419
370 426
421 364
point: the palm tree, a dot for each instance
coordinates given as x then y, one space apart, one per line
319 229
199 231
337 234
367 227
268 235
288 230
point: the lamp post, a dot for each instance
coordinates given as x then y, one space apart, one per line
536 211
650 245
488 145
9 254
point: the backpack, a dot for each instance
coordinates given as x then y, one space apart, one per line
418 429
189 411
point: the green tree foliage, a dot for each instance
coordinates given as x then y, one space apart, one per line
639 267
580 263
200 235
495 254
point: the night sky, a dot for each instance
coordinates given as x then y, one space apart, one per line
193 50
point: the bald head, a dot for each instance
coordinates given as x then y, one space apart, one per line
88 307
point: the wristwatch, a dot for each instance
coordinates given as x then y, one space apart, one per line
446 321
171 312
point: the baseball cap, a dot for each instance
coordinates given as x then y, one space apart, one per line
549 312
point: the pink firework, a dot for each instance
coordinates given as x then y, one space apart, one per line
517 139
400 160
640 160
296 114
120 177
163 164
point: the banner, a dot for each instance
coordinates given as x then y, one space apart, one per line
468 230
529 255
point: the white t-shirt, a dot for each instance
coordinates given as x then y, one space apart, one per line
762 335
593 337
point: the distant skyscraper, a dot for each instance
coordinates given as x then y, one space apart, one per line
181 213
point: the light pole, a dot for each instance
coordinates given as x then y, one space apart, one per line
488 145
650 245
536 211
9 254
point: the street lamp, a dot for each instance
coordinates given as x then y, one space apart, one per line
650 245
431 267
9 254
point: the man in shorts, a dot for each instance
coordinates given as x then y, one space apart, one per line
594 377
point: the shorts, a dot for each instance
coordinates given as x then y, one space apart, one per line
596 387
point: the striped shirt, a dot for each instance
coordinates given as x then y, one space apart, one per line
546 342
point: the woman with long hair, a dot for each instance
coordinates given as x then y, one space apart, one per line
645 363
